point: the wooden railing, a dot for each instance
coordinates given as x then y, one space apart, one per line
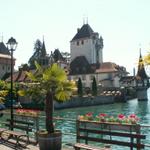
110 133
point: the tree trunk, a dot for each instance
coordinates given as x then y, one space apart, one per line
49 112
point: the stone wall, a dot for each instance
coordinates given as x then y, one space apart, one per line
84 101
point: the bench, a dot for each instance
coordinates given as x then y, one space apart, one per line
2 130
77 146
21 138
108 133
21 125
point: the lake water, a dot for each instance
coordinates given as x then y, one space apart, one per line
141 109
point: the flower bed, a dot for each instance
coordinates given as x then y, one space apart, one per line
102 117
27 112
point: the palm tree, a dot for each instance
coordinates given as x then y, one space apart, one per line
52 84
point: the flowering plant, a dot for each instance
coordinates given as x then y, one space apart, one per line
102 117
27 112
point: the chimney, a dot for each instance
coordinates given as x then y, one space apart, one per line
78 29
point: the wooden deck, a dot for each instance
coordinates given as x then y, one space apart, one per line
6 146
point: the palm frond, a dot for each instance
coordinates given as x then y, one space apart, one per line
54 72
147 59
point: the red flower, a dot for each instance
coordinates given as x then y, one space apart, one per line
121 116
102 115
132 116
89 114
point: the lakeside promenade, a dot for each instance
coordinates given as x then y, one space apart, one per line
4 146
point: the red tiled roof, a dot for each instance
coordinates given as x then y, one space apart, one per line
19 76
22 76
106 67
15 77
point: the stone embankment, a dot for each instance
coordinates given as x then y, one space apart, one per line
85 101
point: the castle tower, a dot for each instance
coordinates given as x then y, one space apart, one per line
142 81
87 43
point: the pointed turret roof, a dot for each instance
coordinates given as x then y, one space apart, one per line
4 49
85 31
43 50
141 73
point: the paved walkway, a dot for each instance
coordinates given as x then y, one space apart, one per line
6 146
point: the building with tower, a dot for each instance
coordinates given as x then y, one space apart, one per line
87 60
142 81
5 60
87 43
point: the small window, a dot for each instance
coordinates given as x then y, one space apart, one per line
77 43
75 78
92 76
83 77
77 69
82 42
8 68
84 69
3 67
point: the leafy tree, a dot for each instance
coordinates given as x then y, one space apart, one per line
94 87
51 83
80 89
39 53
57 55
147 59
3 91
66 56
24 67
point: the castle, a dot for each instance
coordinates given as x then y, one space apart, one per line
86 62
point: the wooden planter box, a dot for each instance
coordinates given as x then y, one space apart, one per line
110 126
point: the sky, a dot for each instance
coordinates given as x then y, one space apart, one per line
123 24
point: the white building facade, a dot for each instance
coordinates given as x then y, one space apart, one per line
5 60
87 43
87 60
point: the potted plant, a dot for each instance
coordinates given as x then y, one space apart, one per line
50 83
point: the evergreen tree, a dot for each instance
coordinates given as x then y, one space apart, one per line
38 55
66 56
57 56
80 90
94 87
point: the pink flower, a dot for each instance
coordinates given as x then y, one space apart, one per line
133 118
89 114
102 115
121 116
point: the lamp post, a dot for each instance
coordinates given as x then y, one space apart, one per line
11 45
